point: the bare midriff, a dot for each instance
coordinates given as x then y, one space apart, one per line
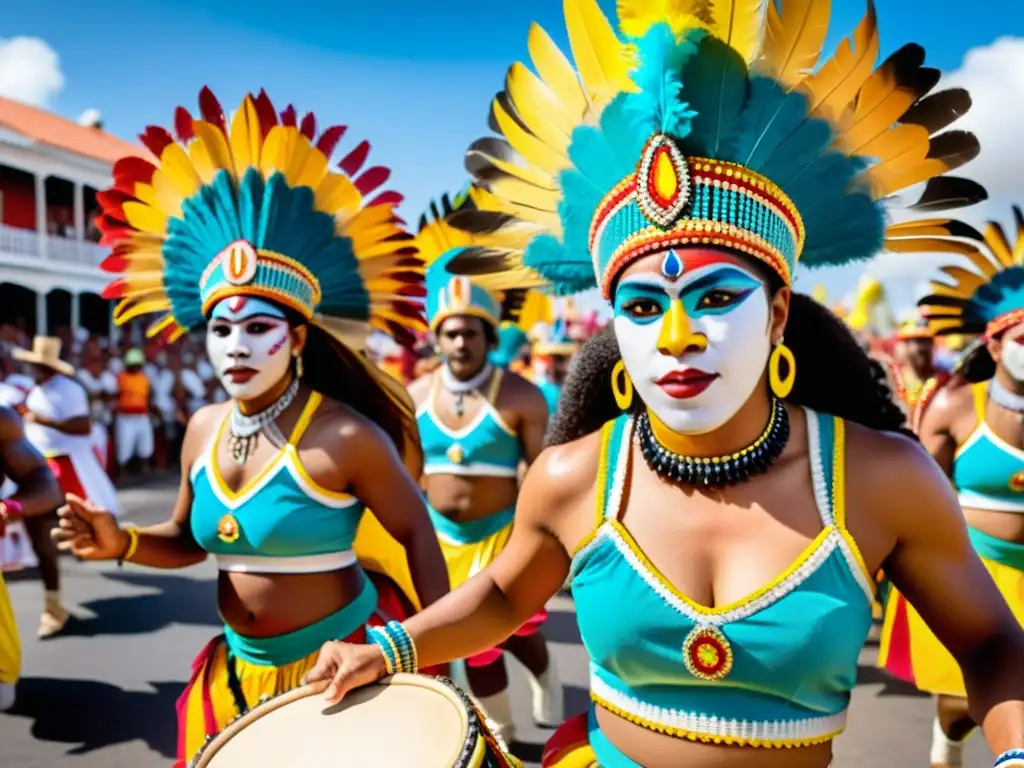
657 750
464 499
1008 526
268 605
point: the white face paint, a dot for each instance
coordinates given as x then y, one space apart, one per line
1012 358
694 338
249 344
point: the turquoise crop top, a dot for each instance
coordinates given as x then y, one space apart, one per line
988 472
280 521
486 447
774 669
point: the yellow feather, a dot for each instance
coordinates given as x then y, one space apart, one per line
300 151
527 174
176 166
159 326
216 146
944 312
539 109
167 197
277 150
942 289
965 279
556 71
145 193
201 161
314 169
889 180
906 143
944 245
636 17
833 88
520 192
794 39
601 58
246 137
739 23
337 193
130 308
998 244
942 324
879 105
532 149
145 217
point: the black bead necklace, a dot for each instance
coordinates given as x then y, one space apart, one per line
719 470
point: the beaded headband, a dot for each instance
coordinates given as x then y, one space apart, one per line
672 200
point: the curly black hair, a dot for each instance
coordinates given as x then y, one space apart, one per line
834 376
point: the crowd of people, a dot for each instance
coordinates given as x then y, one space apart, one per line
733 483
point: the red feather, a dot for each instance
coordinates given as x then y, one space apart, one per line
372 178
134 169
116 289
265 112
156 139
114 263
308 127
111 199
330 138
390 197
183 124
211 109
164 337
354 160
288 116
413 291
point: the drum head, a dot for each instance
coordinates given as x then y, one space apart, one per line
403 721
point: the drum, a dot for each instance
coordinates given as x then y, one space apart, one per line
404 721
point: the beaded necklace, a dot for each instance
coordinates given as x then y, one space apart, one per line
1003 397
461 388
246 428
718 470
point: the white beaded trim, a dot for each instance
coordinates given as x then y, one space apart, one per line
820 484
613 504
852 564
770 731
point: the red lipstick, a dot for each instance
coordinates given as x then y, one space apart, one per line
240 375
683 385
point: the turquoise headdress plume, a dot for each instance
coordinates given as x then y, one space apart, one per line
711 123
450 294
252 207
984 295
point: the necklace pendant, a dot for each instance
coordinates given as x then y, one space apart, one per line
1017 482
455 453
707 653
460 407
228 529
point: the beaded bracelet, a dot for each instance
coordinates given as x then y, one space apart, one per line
399 649
1011 757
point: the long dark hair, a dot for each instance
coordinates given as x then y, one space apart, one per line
834 375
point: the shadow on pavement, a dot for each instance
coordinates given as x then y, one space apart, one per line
561 627
891 686
576 700
174 600
103 714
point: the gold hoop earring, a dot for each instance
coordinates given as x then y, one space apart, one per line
298 365
781 387
622 386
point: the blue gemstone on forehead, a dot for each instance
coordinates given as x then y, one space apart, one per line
672 266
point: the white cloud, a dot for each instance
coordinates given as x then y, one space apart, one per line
29 71
994 76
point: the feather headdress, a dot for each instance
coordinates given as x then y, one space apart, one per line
253 208
711 123
984 295
449 294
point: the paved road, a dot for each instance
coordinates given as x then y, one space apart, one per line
102 695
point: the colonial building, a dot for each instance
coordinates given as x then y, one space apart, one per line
50 171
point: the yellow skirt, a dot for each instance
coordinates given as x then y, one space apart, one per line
10 646
910 650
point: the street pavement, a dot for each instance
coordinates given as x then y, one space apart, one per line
102 694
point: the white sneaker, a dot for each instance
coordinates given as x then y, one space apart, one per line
546 689
6 696
497 711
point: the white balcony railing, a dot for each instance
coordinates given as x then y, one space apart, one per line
53 248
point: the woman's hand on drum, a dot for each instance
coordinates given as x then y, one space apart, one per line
345 666
87 532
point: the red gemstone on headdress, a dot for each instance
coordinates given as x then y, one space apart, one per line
663 182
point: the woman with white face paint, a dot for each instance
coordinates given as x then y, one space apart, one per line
972 423
721 492
246 230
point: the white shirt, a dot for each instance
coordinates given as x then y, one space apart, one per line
162 381
59 398
96 386
193 384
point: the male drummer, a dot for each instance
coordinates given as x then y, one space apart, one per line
37 494
479 424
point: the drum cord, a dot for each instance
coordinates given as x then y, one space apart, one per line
235 685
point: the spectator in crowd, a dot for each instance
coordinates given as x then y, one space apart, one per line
135 405
101 386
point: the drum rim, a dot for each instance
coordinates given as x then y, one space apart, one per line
474 729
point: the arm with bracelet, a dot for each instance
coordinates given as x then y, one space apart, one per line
93 534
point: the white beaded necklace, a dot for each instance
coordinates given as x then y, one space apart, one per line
460 388
246 428
1004 398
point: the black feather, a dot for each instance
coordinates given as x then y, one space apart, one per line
1018 218
946 192
938 110
477 222
934 300
478 260
954 147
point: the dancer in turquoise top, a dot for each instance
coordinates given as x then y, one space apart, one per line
245 226
973 425
552 355
727 468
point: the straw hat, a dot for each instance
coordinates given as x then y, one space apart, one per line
46 352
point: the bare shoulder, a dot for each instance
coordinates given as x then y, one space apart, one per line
525 394
338 428
201 428
11 427
561 479
419 390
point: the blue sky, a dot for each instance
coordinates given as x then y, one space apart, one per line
415 78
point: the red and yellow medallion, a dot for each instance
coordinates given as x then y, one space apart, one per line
228 530
707 653
455 453
1017 482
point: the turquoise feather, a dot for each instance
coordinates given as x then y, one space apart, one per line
658 106
715 83
568 271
